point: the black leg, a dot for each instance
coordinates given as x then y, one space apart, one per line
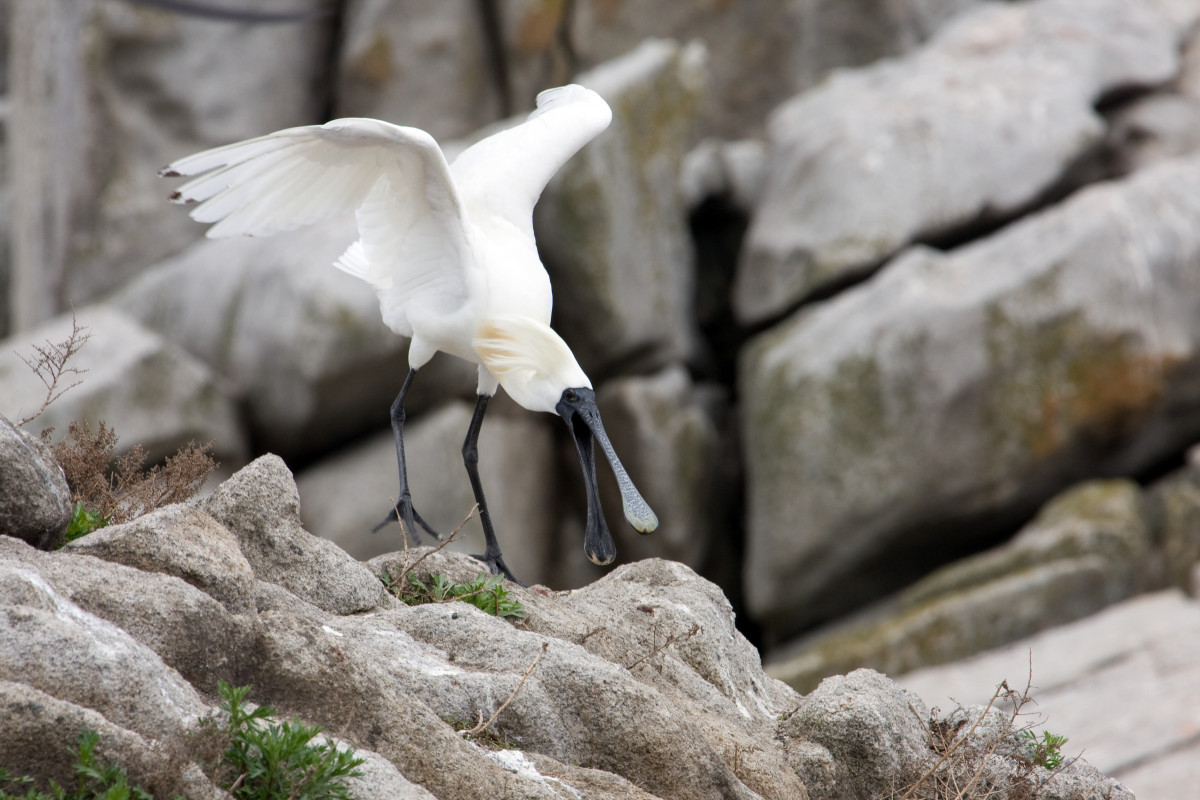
470 451
403 510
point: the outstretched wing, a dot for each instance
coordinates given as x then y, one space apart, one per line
395 179
506 172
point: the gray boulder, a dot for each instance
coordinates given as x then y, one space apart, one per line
112 93
637 686
425 65
205 644
35 501
861 736
1087 549
858 736
1176 503
612 226
182 541
260 505
971 129
795 43
33 719
51 644
968 387
146 389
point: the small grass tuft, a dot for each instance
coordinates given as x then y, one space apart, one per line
486 592
1044 751
83 521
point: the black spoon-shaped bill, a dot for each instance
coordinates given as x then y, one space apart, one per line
578 409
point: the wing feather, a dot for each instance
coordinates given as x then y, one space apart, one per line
516 164
411 220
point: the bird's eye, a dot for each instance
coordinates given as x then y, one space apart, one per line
571 396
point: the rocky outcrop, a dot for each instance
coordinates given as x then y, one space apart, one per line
970 130
1091 547
962 385
638 685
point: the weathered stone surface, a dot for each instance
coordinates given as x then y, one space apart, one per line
35 501
110 92
424 64
657 639
261 507
205 642
33 718
972 128
301 341
53 645
868 727
961 385
347 495
148 390
1176 499
612 226
795 43
1132 667
1152 129
1087 549
861 735
380 778
636 686
182 541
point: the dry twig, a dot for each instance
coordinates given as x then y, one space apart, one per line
50 365
483 726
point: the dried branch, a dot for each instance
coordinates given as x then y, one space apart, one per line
482 726
401 583
50 365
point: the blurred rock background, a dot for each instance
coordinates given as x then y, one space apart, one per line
893 306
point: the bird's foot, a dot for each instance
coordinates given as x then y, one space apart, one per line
404 513
496 566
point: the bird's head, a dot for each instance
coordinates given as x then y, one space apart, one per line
538 370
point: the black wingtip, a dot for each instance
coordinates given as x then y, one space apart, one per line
167 172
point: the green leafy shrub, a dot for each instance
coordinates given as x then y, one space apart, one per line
267 760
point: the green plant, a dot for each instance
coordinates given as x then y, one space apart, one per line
83 521
93 781
486 592
1045 751
268 760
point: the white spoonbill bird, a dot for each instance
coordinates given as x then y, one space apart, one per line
449 250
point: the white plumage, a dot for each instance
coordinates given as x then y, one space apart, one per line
448 248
